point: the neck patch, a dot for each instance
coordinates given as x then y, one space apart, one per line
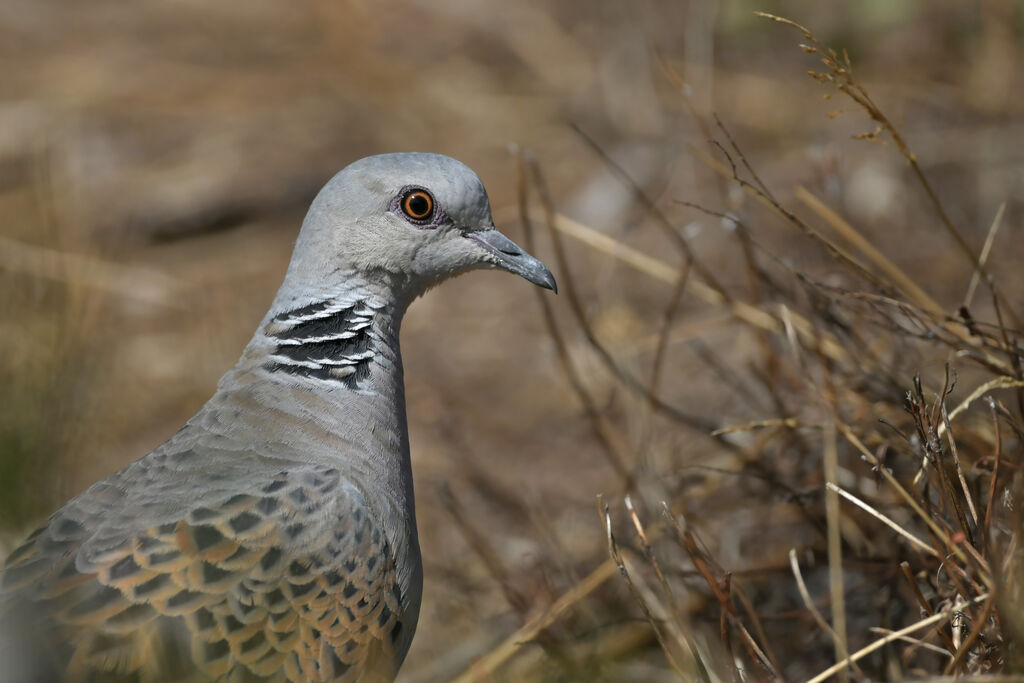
332 341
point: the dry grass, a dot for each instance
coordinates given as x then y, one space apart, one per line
832 357
786 358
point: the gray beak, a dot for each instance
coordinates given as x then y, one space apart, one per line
513 259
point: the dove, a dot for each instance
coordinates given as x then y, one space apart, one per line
273 537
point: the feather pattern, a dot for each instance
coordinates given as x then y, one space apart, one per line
245 582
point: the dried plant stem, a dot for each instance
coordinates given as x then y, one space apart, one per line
652 209
748 607
648 552
916 642
835 547
476 540
927 430
757 654
484 667
912 582
895 635
959 468
840 74
902 281
638 597
661 347
707 568
979 623
659 270
914 540
614 447
1004 382
695 422
927 327
995 477
905 495
809 604
760 194
986 249
930 309
785 422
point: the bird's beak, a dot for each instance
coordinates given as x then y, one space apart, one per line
509 256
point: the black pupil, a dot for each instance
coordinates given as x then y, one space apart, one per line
418 205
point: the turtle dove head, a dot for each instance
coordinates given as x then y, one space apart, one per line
409 220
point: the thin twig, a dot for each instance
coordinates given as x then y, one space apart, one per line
613 446
986 249
972 637
927 426
706 567
659 270
1004 382
515 598
616 555
652 209
835 547
484 667
959 468
698 423
757 653
748 608
809 604
648 552
895 635
903 493
770 202
840 75
786 422
995 477
667 319
905 567
903 282
914 540
917 643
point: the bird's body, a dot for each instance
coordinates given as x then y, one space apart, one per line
273 537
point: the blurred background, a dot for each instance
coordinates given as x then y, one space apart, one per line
157 158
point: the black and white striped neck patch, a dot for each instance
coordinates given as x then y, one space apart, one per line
328 340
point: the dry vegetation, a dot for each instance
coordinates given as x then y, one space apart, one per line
771 429
929 526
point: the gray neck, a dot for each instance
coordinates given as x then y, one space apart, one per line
325 365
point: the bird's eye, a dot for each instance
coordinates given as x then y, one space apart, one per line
418 205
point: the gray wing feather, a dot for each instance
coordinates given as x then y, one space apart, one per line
259 570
